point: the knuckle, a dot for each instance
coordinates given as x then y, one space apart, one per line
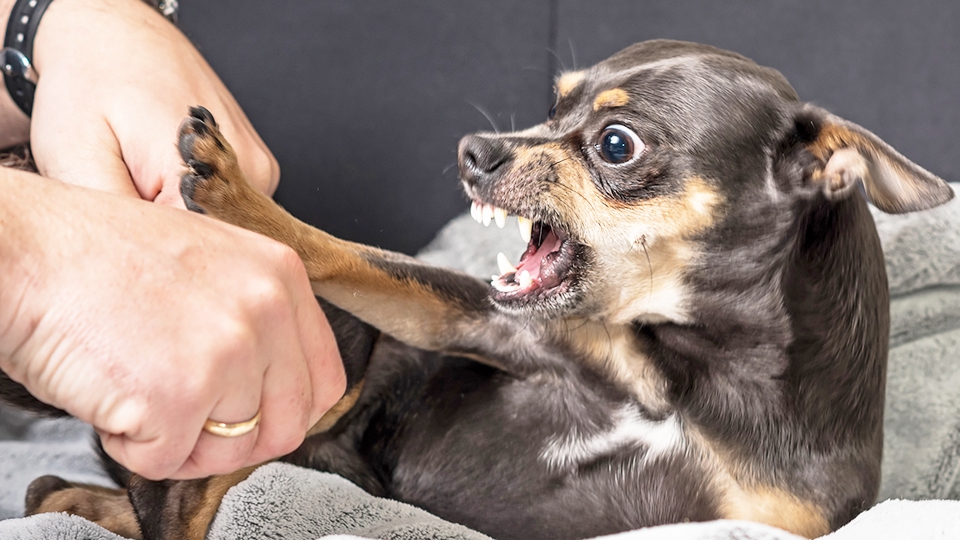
289 260
284 442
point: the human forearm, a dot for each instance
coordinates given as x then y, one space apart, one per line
17 242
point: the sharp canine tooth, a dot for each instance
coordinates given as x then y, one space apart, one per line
487 213
475 211
504 264
500 216
526 228
524 279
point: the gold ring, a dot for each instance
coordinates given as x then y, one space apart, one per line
223 429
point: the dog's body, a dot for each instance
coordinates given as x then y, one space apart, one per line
697 330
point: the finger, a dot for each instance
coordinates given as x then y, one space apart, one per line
145 443
81 151
216 454
287 392
285 408
319 347
239 383
156 167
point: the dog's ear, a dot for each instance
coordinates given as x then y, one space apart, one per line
847 154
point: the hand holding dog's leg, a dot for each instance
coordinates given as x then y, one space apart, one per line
427 307
145 321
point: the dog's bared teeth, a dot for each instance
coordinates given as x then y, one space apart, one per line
475 211
504 264
500 216
487 214
502 285
526 228
524 279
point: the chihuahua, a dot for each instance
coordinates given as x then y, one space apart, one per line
696 330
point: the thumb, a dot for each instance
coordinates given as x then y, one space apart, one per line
82 152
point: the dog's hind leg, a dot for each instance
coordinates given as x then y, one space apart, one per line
423 306
164 510
109 508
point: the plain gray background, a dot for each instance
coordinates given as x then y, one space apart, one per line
363 101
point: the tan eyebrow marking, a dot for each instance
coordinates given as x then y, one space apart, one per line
568 81
616 97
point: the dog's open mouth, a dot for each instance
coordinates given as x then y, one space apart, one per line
545 266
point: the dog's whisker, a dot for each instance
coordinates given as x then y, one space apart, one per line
643 244
486 115
534 68
572 191
563 67
573 54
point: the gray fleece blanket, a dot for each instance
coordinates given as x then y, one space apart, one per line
921 450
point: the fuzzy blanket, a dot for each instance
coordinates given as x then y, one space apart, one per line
921 449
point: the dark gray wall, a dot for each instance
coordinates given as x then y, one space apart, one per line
363 101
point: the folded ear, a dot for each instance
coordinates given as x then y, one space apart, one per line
847 154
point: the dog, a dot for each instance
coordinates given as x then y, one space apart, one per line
697 329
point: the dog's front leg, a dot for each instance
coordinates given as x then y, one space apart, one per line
423 306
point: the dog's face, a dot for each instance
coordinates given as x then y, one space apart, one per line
657 156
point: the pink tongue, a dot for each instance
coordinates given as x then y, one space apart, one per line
532 262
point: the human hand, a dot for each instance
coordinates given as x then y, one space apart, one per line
145 321
116 79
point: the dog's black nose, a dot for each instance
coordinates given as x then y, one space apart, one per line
479 158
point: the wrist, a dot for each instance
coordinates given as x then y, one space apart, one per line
20 259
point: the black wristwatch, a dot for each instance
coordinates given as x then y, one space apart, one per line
18 73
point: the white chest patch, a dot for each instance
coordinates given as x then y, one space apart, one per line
630 429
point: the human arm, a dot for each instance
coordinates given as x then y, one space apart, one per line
116 79
144 321
125 281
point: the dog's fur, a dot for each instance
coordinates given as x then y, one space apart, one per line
708 340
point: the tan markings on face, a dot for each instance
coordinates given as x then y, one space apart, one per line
642 249
614 351
616 97
567 82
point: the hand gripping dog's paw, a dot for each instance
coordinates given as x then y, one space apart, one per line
213 176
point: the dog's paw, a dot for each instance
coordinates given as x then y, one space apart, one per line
210 161
109 508
40 490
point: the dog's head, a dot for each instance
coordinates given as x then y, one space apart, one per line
657 156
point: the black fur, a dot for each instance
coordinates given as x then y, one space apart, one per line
743 378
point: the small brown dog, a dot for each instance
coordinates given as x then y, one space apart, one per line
697 329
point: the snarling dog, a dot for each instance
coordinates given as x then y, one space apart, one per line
697 329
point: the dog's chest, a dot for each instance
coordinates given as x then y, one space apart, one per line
563 449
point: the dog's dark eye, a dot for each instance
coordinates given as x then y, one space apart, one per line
618 144
552 113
